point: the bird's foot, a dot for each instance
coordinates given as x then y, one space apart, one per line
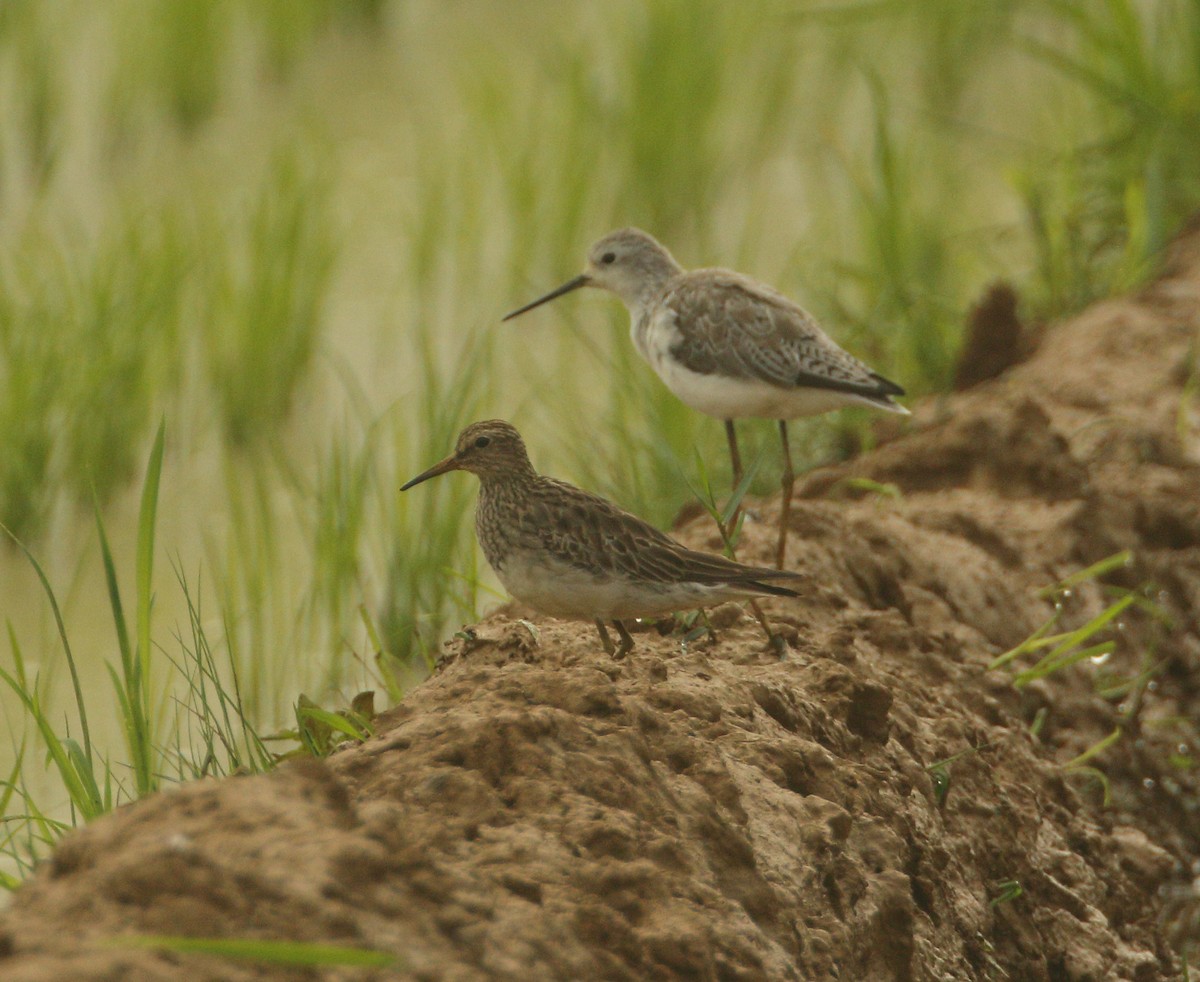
605 639
626 644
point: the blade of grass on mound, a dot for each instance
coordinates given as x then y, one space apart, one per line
34 829
133 684
1097 775
708 499
1064 642
1093 572
319 725
251 949
73 764
127 685
881 489
10 825
221 738
1096 748
1067 651
147 517
62 634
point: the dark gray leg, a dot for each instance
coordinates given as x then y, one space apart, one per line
785 507
776 642
626 644
735 458
604 638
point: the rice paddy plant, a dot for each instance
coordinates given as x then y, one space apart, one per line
210 716
183 55
905 278
29 62
250 565
88 340
430 567
26 481
1101 215
269 289
346 481
181 60
669 109
289 27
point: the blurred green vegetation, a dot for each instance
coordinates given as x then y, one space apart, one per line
289 229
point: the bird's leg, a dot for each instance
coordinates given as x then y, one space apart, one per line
604 638
735 459
785 507
776 641
626 644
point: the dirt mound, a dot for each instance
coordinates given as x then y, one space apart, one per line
875 806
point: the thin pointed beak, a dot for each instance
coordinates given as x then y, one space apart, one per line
449 464
581 280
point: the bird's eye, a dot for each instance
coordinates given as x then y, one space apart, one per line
608 258
482 442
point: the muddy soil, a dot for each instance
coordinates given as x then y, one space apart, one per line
877 805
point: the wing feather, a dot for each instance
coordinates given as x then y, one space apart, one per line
585 531
730 325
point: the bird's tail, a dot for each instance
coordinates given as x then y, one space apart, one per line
762 585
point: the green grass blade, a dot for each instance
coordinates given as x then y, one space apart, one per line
881 489
114 595
743 488
1027 645
128 685
1095 749
79 790
10 786
62 634
1097 775
251 949
87 777
1096 570
147 515
1049 665
1101 620
335 721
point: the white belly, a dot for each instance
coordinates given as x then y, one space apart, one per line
733 398
736 398
563 591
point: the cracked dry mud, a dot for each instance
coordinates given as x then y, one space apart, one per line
537 810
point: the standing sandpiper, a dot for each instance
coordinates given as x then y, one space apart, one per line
727 345
572 554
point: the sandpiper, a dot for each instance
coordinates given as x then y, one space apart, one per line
727 345
572 554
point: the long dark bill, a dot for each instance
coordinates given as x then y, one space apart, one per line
575 284
449 464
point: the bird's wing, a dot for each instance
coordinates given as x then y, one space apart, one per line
586 531
730 325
